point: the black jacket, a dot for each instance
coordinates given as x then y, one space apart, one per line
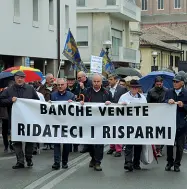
25 91
106 95
181 112
118 92
156 96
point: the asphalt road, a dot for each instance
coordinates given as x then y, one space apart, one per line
80 176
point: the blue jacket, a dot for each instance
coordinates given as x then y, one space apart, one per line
181 112
56 96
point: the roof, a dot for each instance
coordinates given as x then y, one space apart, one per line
149 39
164 33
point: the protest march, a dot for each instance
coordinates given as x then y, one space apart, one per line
61 122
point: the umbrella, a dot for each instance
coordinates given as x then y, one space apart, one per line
129 78
167 70
128 71
5 77
147 82
32 74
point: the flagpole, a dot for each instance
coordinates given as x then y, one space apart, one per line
58 36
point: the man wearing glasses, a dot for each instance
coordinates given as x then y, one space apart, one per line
61 95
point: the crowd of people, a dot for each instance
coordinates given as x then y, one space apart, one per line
94 90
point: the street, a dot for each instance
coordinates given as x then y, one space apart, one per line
80 176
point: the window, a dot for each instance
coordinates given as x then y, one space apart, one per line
82 36
51 12
177 4
67 16
160 4
35 10
80 3
116 41
177 59
111 2
144 4
17 8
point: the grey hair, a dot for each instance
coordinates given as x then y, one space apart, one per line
97 74
62 79
48 74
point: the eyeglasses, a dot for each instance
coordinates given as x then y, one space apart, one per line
59 85
176 81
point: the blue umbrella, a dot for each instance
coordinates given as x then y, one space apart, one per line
147 82
5 77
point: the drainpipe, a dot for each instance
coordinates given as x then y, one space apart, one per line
58 35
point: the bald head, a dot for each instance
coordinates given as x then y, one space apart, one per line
81 76
97 81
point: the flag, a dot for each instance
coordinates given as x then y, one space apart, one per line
71 52
108 66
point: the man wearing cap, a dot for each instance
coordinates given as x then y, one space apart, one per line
157 95
7 98
177 95
133 96
73 87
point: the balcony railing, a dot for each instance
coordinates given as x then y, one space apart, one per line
129 55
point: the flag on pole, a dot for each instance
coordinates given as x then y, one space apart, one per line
108 66
71 52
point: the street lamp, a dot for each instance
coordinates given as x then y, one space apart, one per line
154 55
107 45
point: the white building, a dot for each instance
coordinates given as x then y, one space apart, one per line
102 20
29 29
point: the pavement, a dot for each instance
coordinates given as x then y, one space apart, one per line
80 176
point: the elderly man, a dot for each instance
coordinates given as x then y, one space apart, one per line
133 96
61 95
116 91
84 82
46 90
7 98
177 95
97 93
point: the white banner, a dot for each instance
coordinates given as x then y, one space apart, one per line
93 123
96 64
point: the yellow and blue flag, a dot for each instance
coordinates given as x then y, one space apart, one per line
71 52
108 65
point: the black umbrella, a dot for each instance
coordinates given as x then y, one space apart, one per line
126 71
5 77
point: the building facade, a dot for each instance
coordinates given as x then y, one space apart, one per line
170 13
29 32
167 56
107 20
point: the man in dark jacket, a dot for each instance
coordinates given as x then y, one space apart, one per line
84 83
97 94
116 91
7 98
61 95
46 90
157 95
177 95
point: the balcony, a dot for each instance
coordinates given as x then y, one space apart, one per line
122 9
129 55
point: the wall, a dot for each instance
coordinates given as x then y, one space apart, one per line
22 39
86 20
146 60
162 61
